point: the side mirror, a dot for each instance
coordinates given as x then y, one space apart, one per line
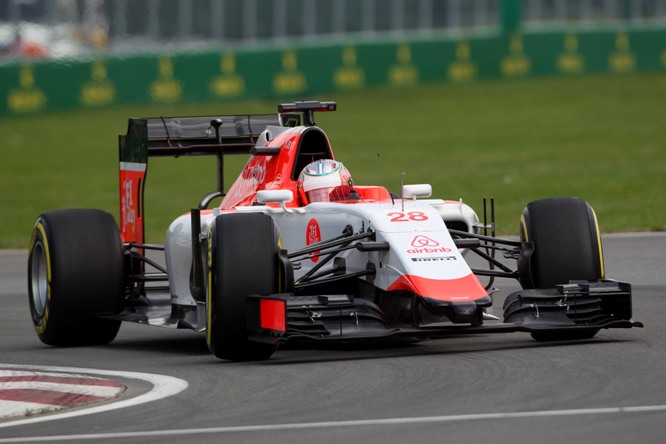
416 190
275 196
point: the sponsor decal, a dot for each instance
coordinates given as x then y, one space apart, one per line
424 241
253 175
128 207
131 195
424 245
312 236
256 174
434 259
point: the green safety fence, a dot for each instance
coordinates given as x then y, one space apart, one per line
295 72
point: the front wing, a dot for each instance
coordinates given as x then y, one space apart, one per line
568 311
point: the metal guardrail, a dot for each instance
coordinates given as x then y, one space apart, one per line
75 28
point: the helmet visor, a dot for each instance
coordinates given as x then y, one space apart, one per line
320 195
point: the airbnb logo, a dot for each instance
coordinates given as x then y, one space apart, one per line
424 245
422 241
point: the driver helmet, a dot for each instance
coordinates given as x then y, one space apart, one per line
319 178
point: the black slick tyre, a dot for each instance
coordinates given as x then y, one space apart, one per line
75 273
242 260
566 241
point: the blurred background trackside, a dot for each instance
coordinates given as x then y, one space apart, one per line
79 53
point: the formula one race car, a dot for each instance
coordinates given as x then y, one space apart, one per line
297 252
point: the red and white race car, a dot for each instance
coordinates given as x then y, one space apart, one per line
297 252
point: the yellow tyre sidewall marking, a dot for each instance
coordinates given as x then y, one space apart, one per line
601 253
41 326
523 226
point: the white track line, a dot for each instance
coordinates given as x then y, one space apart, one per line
163 387
339 424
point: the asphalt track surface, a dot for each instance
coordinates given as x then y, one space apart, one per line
501 388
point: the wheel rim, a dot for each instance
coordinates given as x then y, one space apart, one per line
39 279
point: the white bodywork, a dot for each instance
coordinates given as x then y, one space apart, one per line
420 244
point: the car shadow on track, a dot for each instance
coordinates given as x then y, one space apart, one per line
189 346
337 353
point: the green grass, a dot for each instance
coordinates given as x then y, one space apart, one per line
601 137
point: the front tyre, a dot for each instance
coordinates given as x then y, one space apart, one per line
242 260
567 246
75 272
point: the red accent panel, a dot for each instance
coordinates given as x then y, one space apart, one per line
467 288
273 314
266 173
131 205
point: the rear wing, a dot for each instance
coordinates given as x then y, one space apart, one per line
193 136
181 136
178 136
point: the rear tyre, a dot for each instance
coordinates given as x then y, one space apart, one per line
242 260
75 272
567 247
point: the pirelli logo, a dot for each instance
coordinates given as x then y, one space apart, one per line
434 259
